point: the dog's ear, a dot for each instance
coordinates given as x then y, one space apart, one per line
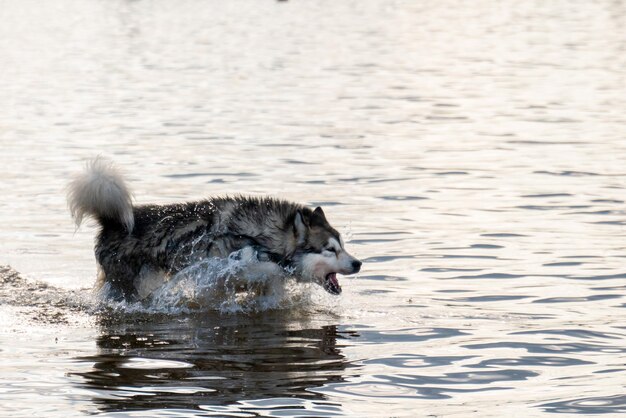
318 218
300 226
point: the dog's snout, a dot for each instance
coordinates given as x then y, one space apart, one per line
356 266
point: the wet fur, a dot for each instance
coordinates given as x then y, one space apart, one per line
138 247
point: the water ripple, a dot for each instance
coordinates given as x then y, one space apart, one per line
615 404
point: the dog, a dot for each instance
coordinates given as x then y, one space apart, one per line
139 242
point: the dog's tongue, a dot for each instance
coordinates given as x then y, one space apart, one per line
331 284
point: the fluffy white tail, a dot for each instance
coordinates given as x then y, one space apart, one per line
100 192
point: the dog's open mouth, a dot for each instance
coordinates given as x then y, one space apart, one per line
331 284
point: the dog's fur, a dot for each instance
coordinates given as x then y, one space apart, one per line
139 242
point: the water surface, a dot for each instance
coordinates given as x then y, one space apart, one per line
472 155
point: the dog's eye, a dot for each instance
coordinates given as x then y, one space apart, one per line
332 250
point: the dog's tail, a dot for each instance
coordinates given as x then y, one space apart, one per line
100 192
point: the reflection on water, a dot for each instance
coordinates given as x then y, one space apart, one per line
213 361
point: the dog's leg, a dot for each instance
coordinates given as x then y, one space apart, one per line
120 275
148 280
264 277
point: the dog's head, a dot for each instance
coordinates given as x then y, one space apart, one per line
320 253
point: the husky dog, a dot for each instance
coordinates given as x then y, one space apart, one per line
137 243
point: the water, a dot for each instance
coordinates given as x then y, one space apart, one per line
472 155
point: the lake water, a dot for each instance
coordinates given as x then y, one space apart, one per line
473 155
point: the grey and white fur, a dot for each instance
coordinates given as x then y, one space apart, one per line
137 242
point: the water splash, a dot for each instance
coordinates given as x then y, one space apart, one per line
238 284
43 302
